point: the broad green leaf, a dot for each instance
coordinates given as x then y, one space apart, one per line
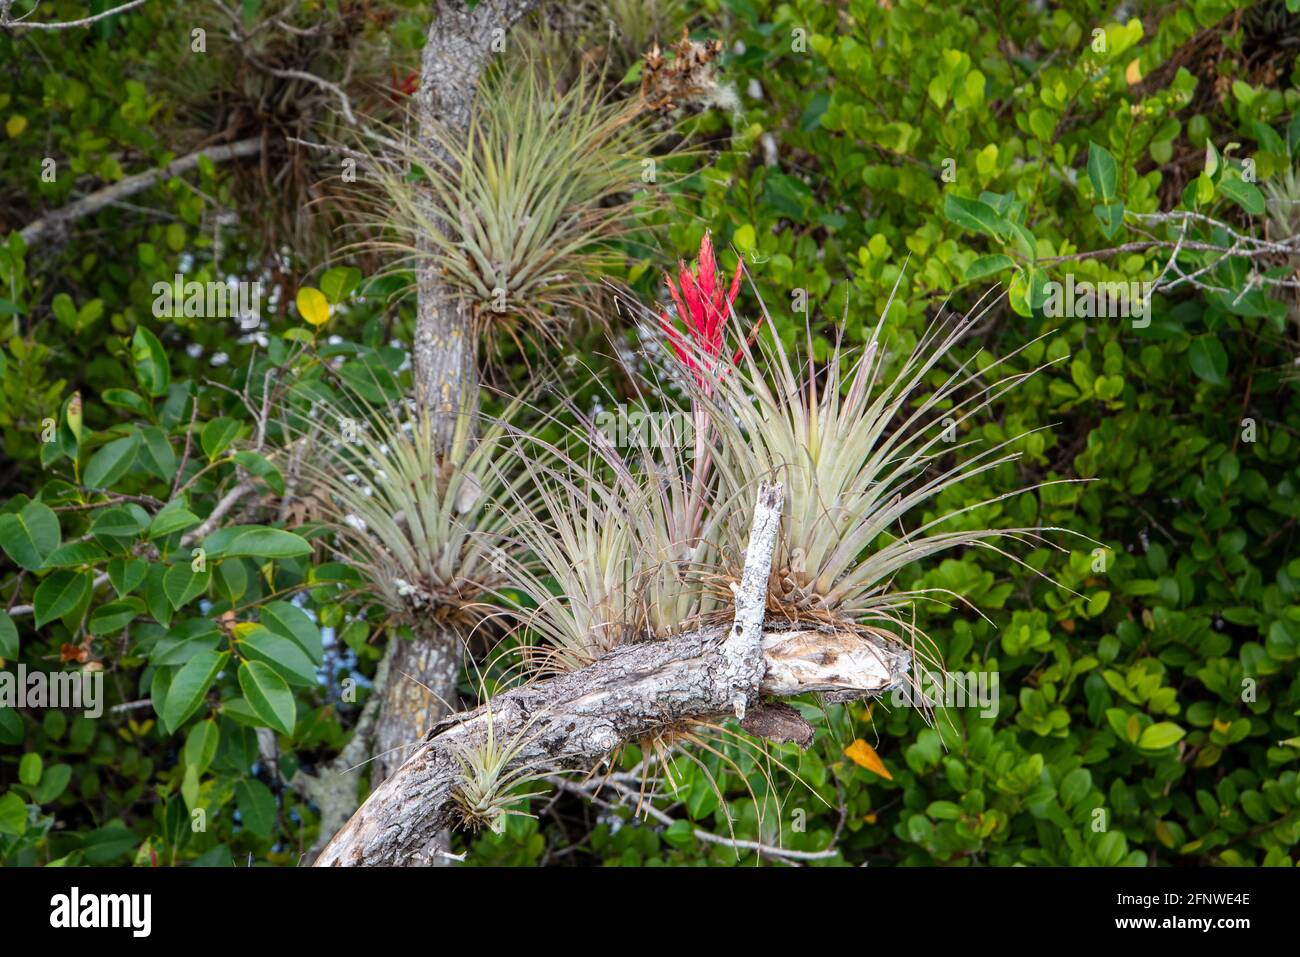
973 214
1208 360
260 467
281 653
201 744
173 518
268 695
231 579
217 436
126 399
111 462
112 617
30 767
256 806
127 574
337 283
156 454
74 554
1246 195
54 781
1160 735
13 814
189 685
117 522
8 637
292 622
59 594
29 535
987 266
1103 172
152 371
183 584
255 541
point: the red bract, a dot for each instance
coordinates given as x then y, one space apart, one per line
703 306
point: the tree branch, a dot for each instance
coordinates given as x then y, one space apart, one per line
39 229
20 23
578 718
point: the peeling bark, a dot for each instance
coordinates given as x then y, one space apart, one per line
576 719
579 718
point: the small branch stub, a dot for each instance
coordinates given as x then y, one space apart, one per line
743 648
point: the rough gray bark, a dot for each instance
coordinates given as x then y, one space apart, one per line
576 719
458 47
459 43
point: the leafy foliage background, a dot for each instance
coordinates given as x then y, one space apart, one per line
1164 695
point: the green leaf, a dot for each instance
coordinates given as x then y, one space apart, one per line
116 522
74 554
292 622
152 370
1160 735
987 266
217 435
173 518
255 541
338 283
182 584
30 766
268 695
54 781
13 814
1246 195
1110 216
973 214
156 454
155 594
1103 172
126 399
201 745
260 467
1208 360
112 617
29 535
60 594
126 574
189 685
281 653
232 579
111 462
8 637
256 806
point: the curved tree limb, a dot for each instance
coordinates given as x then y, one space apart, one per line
579 718
54 222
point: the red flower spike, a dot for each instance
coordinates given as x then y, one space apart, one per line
702 307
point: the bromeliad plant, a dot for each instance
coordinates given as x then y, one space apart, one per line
862 449
524 213
865 447
422 526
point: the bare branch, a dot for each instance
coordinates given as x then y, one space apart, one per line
20 23
89 205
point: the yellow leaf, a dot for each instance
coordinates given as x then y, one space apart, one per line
246 628
312 306
15 125
870 819
1222 725
1133 74
865 755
